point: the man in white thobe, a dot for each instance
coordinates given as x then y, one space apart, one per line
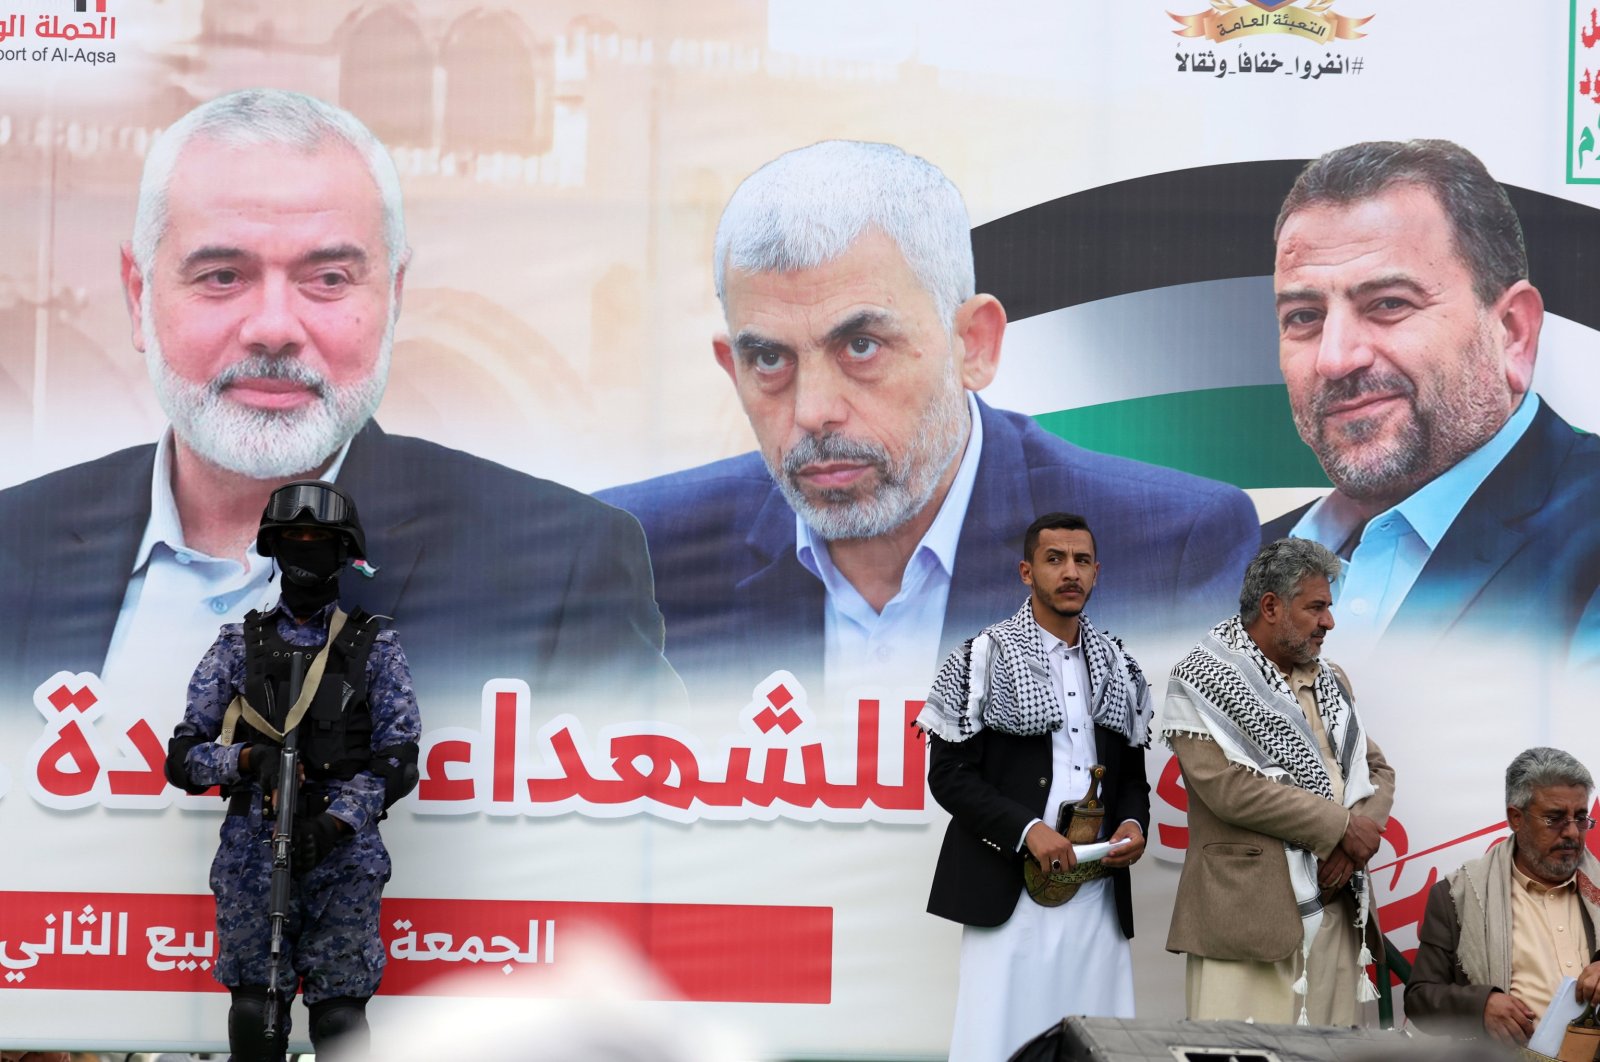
1018 718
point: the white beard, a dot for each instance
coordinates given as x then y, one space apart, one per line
264 443
904 487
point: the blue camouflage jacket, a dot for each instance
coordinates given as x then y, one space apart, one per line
220 677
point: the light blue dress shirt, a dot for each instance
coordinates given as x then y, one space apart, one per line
1396 543
177 599
866 650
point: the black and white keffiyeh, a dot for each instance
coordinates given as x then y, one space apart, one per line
1000 679
1227 691
1246 701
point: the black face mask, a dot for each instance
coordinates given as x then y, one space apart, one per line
310 572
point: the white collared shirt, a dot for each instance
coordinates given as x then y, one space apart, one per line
177 598
1072 748
864 648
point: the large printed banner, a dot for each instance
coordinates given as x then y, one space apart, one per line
653 700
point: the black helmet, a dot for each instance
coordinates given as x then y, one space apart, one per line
311 503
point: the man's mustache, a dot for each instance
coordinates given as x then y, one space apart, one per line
265 367
1360 385
831 446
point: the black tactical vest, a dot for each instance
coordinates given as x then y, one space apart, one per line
336 732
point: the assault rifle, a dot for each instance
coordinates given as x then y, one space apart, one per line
282 836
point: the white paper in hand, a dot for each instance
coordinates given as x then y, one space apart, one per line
1563 1008
1098 850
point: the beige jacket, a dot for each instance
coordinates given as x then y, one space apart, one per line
1234 898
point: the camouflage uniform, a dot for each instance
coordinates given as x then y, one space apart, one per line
331 938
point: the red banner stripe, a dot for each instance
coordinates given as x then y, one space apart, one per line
167 943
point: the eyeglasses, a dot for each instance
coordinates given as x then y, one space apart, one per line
1559 822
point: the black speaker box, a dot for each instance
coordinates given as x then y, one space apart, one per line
1137 1040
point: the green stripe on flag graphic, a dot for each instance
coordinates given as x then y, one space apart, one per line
1240 435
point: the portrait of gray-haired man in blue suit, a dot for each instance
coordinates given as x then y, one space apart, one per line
875 525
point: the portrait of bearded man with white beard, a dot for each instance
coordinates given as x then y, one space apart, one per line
264 443
263 280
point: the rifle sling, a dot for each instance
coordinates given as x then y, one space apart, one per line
240 707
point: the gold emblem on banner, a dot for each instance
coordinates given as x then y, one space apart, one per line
1232 19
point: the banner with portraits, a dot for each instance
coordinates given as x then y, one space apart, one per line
651 701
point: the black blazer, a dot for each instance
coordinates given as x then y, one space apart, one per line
487 572
993 784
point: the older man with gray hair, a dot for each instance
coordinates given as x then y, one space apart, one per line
1287 799
1501 934
873 529
264 280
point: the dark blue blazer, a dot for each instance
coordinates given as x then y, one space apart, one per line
1523 556
486 571
739 605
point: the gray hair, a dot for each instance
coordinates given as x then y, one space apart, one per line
1541 767
1484 227
263 116
1278 568
807 206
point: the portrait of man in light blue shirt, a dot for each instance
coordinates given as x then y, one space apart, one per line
268 345
1408 332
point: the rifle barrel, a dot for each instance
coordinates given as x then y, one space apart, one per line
282 832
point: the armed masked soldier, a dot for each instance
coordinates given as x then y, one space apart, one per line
357 727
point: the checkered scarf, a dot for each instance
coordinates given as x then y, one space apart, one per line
1227 691
1000 679
1244 698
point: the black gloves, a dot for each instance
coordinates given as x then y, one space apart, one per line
265 761
177 765
313 840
